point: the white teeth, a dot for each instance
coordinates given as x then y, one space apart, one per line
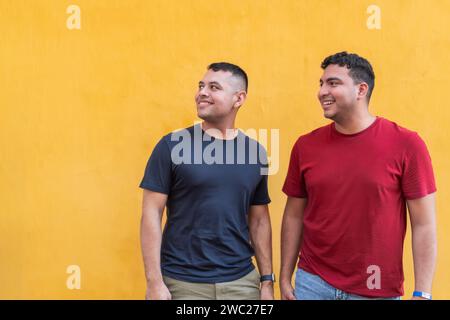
327 103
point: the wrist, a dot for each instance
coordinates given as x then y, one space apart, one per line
154 281
286 276
285 281
267 284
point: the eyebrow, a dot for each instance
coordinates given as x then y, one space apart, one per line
212 82
331 79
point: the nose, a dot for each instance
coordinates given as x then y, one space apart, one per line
203 92
323 91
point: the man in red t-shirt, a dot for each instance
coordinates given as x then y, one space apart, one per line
348 186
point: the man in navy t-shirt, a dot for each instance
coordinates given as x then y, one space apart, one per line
212 178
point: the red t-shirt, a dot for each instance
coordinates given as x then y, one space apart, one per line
355 217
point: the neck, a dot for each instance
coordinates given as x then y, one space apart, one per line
224 130
354 123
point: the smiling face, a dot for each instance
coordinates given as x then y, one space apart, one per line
339 95
219 96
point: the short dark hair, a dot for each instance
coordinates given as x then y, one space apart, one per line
234 69
360 68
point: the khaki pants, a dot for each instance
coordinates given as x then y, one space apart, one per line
245 288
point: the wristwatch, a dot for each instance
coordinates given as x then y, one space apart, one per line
268 277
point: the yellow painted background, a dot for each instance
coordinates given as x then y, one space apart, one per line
80 111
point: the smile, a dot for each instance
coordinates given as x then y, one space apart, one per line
204 103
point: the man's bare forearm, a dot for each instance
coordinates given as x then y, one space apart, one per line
291 233
261 236
153 205
424 247
151 246
291 236
422 213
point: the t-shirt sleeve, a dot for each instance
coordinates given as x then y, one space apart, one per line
261 195
418 178
158 172
294 185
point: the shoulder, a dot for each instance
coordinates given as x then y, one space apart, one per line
403 135
243 136
172 138
313 137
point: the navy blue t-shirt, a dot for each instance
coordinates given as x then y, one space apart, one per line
210 186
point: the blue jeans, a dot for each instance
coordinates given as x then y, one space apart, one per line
311 287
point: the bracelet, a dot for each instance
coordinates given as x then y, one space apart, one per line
421 294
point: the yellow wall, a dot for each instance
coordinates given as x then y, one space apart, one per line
80 111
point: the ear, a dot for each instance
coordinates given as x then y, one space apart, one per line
240 97
363 89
